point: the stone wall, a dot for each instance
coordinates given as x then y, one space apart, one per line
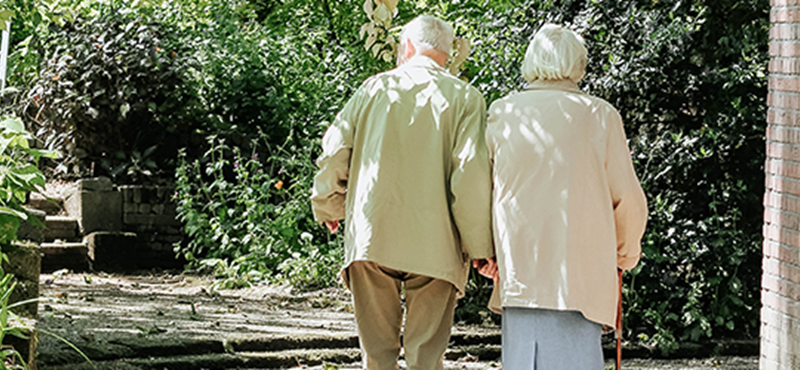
780 294
148 211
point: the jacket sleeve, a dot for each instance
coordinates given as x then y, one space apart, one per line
328 193
470 180
628 199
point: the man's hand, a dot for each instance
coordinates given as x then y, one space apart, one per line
488 268
332 226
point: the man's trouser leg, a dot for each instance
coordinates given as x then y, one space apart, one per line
379 314
430 304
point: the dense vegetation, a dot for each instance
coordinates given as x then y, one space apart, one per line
232 96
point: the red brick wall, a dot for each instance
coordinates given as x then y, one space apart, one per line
780 291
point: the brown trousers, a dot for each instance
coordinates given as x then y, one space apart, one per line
430 304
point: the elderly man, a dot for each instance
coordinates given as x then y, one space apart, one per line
406 165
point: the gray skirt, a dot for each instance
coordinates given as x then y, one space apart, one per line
540 339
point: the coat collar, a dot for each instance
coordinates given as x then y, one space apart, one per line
564 85
421 61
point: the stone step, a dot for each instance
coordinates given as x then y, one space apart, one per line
50 206
285 359
32 230
224 361
61 228
57 256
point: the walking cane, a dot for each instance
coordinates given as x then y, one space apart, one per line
619 323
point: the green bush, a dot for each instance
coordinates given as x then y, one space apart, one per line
19 175
109 88
247 223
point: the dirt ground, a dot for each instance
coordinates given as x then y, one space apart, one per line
173 321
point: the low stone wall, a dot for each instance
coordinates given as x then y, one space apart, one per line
24 262
96 205
148 211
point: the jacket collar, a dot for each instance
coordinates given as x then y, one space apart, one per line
564 85
421 61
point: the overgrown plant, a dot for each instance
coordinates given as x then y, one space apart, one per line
244 222
108 88
377 31
18 176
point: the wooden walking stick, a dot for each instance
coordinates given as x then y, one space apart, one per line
619 322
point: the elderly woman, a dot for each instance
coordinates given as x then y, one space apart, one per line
568 210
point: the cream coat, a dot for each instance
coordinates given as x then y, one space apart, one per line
406 165
568 207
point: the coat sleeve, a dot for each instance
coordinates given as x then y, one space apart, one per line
628 199
328 193
470 180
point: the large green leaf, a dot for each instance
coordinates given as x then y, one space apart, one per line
13 124
39 153
29 175
9 224
4 210
6 138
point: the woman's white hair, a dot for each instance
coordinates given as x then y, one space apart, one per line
555 53
428 33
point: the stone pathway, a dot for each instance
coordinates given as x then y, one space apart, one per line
172 322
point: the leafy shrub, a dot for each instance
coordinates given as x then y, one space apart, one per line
690 81
308 75
108 89
246 222
225 202
18 176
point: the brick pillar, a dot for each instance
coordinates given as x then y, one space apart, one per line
780 285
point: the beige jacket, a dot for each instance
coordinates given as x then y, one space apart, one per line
568 207
406 165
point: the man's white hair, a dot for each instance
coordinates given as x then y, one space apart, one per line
555 53
428 33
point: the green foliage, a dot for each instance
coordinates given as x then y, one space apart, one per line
246 223
280 82
108 86
18 175
689 79
8 356
226 206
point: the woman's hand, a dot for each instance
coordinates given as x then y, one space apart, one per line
488 268
332 226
